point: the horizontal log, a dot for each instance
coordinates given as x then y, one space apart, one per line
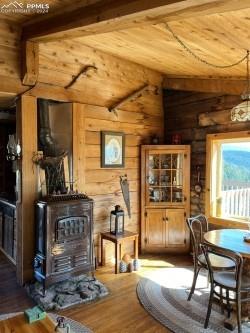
94 163
110 188
135 117
94 138
30 63
131 224
9 63
11 85
219 85
110 199
198 146
173 98
95 151
107 175
102 213
106 16
215 118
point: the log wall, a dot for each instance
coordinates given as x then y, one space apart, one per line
91 95
10 47
194 115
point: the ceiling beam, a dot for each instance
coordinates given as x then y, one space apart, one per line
112 15
220 85
30 62
11 86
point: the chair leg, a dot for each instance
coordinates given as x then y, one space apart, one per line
228 304
208 278
221 301
209 308
196 273
238 309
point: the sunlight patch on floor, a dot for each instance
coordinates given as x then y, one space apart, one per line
173 277
154 263
148 266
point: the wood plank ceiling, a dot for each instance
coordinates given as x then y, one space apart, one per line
221 38
218 38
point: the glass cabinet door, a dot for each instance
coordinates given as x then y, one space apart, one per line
164 177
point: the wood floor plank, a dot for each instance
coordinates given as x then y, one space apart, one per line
119 312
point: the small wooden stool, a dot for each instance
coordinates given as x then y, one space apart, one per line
118 241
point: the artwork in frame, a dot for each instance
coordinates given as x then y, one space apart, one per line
112 149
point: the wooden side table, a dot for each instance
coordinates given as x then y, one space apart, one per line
118 241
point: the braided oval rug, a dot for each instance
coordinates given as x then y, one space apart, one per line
164 293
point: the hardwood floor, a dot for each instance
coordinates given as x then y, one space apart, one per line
13 297
119 312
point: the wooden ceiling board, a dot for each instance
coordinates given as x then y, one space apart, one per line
218 38
10 35
113 15
55 7
69 57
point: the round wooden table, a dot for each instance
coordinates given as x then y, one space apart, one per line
233 239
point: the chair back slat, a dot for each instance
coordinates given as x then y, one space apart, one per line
198 225
227 254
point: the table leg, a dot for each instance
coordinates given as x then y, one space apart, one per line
120 252
117 257
102 256
136 247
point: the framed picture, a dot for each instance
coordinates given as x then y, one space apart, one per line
112 154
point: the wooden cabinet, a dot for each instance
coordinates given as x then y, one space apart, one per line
165 198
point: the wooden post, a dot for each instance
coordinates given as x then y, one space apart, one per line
26 186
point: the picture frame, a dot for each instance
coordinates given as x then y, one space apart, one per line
112 149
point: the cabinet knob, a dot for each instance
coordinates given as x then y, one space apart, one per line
166 219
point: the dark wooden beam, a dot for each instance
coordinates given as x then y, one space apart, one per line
112 15
218 85
30 62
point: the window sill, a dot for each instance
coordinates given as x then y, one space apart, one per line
229 223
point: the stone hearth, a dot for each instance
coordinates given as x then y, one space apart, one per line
76 290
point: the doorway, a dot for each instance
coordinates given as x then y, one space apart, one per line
8 165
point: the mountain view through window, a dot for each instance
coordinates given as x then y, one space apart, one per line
235 179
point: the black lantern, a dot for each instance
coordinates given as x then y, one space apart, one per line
117 221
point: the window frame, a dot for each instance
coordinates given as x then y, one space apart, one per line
213 143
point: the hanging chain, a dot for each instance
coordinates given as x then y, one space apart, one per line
205 61
246 94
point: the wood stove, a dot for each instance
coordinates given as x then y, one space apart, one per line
64 238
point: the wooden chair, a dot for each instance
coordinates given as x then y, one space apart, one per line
198 225
230 281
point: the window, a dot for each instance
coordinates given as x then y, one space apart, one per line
228 177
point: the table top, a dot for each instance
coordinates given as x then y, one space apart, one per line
19 324
231 239
126 234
